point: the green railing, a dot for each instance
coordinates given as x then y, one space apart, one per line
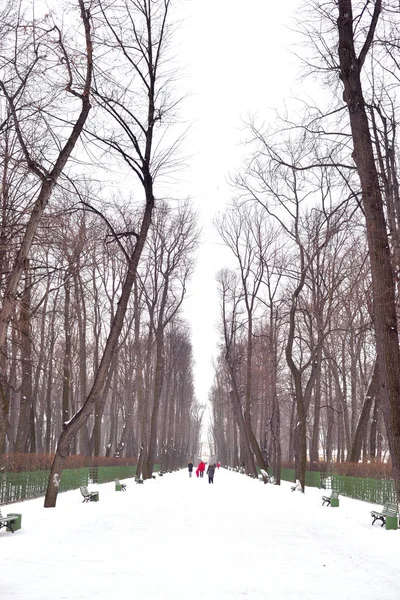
104 474
376 491
313 478
15 487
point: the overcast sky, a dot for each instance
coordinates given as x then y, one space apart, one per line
237 60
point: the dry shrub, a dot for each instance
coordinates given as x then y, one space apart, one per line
42 462
372 469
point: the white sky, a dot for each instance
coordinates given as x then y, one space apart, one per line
176 538
237 61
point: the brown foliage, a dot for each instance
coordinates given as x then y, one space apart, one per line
373 469
42 462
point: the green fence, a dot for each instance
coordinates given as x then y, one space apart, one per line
313 478
376 491
15 487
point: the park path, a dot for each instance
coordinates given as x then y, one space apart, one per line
176 538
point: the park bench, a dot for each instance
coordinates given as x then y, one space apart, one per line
7 522
89 496
328 499
120 487
388 510
297 487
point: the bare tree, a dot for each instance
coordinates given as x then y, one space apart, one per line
138 32
171 247
21 71
242 231
351 62
231 324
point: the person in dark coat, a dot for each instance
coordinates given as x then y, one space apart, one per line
210 473
190 468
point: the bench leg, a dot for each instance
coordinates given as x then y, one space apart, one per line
7 525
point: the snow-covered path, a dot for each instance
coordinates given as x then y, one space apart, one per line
176 538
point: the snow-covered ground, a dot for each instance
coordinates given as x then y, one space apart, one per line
184 539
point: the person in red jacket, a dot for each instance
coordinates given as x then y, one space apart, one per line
201 468
218 465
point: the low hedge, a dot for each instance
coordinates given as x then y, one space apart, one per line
16 463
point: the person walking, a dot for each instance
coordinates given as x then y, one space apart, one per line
210 473
190 468
201 468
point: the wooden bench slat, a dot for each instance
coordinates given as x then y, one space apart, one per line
7 522
327 499
389 509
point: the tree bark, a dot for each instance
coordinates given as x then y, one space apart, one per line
362 426
385 318
71 428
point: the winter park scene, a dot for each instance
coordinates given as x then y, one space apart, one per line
199 299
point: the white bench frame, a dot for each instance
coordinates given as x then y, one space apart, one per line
327 499
88 496
7 522
389 509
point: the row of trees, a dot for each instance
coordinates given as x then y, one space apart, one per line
312 305
94 355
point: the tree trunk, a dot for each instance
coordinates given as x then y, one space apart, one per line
158 385
385 318
362 426
80 418
26 367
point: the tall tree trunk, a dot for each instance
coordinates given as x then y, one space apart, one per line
81 318
385 318
66 385
73 426
26 367
158 386
48 184
362 426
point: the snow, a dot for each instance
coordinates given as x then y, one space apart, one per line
181 538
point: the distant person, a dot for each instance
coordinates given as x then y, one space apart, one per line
218 465
201 468
210 473
190 468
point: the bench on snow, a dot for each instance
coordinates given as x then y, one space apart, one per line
328 499
388 510
120 487
7 522
297 487
88 496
